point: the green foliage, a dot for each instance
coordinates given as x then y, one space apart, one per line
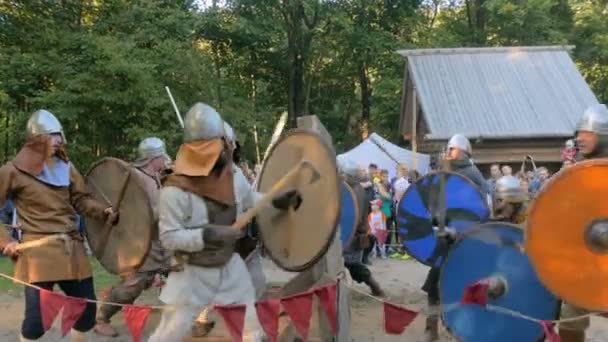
102 65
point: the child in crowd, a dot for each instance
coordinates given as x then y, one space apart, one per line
377 225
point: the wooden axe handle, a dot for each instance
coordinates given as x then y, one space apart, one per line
39 242
242 221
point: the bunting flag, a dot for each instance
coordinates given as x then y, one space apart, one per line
327 297
397 318
549 330
476 294
234 317
135 318
72 310
268 315
299 309
50 305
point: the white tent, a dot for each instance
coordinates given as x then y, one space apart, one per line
368 152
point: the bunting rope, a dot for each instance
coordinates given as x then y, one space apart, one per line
499 309
444 307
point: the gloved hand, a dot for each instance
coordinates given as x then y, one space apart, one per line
219 234
287 199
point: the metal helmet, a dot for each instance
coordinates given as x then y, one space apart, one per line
150 148
459 141
44 122
230 135
202 122
595 119
508 189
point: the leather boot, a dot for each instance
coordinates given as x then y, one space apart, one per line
571 335
375 287
78 336
431 331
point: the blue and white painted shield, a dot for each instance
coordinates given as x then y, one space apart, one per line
349 216
477 257
419 209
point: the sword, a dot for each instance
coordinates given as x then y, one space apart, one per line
179 116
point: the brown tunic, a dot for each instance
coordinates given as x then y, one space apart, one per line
43 210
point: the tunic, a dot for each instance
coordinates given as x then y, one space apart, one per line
43 210
181 215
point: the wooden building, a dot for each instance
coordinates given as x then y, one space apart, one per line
509 102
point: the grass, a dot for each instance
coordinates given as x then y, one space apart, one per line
102 278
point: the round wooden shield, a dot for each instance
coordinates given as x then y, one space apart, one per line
349 215
419 210
296 239
123 247
473 259
560 220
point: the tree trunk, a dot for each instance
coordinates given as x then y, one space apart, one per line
366 94
299 37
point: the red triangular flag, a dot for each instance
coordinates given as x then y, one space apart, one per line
234 317
548 329
72 310
299 309
327 297
268 314
476 294
135 318
397 318
50 305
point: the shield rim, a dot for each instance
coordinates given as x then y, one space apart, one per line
480 227
436 172
533 207
357 214
148 208
336 220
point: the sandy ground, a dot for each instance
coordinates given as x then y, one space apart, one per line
400 279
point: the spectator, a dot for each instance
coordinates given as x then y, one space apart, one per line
569 151
495 173
400 183
373 173
384 193
377 225
506 170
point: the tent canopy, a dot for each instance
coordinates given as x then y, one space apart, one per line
368 152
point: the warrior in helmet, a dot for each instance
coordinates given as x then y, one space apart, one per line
47 191
152 160
246 246
353 252
509 200
197 205
592 142
457 159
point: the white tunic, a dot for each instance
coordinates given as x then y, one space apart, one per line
195 285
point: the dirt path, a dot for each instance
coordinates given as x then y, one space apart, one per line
400 279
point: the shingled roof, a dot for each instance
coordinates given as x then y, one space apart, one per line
495 93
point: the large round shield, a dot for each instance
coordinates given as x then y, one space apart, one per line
121 248
295 240
567 232
349 215
419 211
473 259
